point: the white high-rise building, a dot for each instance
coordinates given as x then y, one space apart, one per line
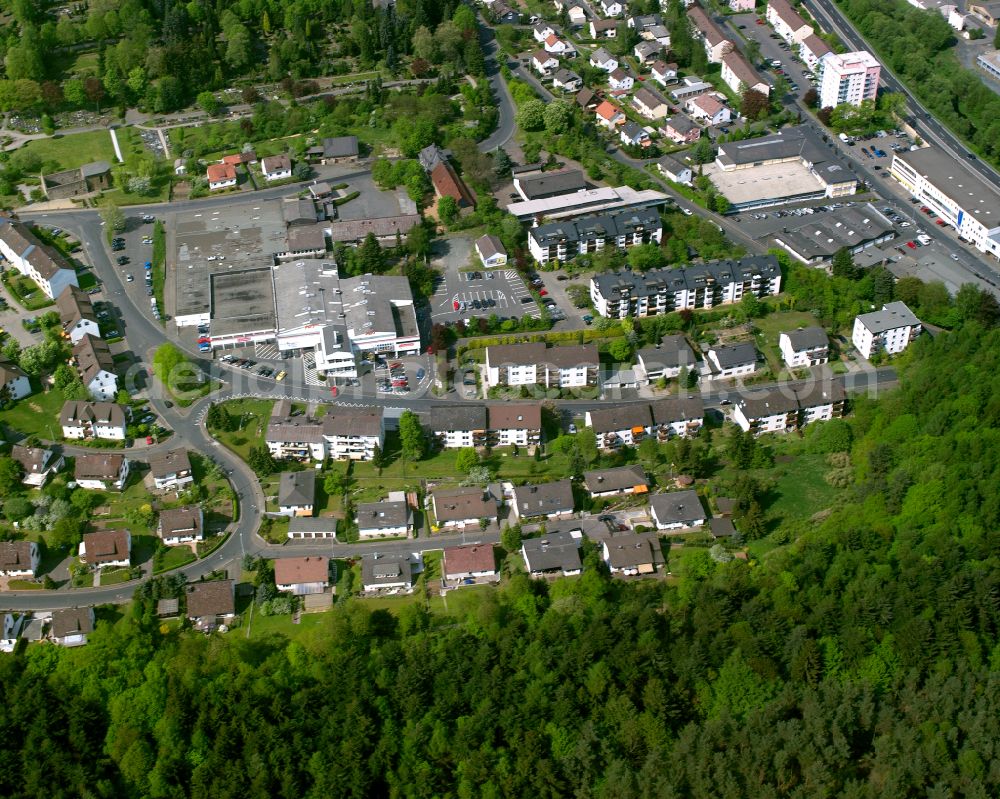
848 78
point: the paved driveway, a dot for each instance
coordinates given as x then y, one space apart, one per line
371 204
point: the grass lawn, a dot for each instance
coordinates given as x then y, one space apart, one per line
800 490
86 279
249 422
77 149
770 327
24 585
36 415
115 576
261 626
26 291
172 558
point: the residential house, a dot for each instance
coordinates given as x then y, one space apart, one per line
96 366
988 12
171 470
664 73
615 482
542 31
238 159
463 507
447 183
559 47
543 62
612 8
301 528
811 51
650 104
677 416
673 169
633 135
14 383
620 81
385 519
609 115
573 366
787 22
101 471
567 80
620 426
431 156
301 576
388 572
563 241
703 28
37 462
43 264
587 100
676 510
93 420
789 408
602 59
733 360
890 330
680 130
353 433
297 493
107 549
576 12
632 554
504 14
739 75
637 294
722 527
551 500
71 626
76 313
471 562
659 34
666 360
603 28
491 251
182 525
708 109
11 631
211 601
19 559
220 176
807 346
457 426
644 22
553 553
514 424
297 437
742 6
276 167
339 149
647 51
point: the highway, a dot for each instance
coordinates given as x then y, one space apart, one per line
831 19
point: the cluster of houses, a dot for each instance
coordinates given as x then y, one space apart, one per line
225 173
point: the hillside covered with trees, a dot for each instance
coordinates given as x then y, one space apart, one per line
858 660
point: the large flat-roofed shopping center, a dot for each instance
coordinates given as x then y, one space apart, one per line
243 271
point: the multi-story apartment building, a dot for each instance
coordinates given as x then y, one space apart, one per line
344 433
807 346
458 426
716 43
76 312
627 425
93 420
534 364
30 257
784 409
847 78
514 424
959 197
890 330
629 294
561 241
787 22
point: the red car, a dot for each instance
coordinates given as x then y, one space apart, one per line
455 303
333 391
204 340
911 245
760 21
940 222
149 439
543 292
396 365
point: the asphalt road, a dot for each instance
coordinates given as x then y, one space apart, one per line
505 104
829 16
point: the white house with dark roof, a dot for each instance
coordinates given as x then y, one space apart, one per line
43 264
620 80
19 559
93 420
667 359
811 50
76 313
672 168
732 360
632 554
276 167
551 500
514 424
101 471
491 251
107 549
96 367
390 573
789 408
612 8
71 626
553 554
544 62
787 22
650 104
634 135
171 470
709 109
677 510
38 463
602 59
617 481
542 31
13 381
616 427
603 28
664 73
178 526
385 519
739 75
647 51
462 507
680 130
807 346
567 80
457 426
312 527
677 416
890 330
297 493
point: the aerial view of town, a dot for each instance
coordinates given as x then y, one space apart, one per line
500 398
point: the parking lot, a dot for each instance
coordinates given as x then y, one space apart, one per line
135 249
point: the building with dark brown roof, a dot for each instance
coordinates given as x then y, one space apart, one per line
470 561
107 549
207 601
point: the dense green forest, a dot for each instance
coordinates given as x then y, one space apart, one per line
859 660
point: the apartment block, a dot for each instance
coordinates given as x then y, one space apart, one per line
562 241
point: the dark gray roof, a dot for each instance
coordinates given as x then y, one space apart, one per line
544 498
297 488
551 184
730 355
646 49
379 569
623 223
340 147
680 123
673 351
616 479
565 76
170 462
893 315
601 56
649 98
677 409
383 515
722 527
633 131
629 551
94 169
312 524
790 399
551 552
613 285
455 418
72 621
807 338
606 419
797 141
677 507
